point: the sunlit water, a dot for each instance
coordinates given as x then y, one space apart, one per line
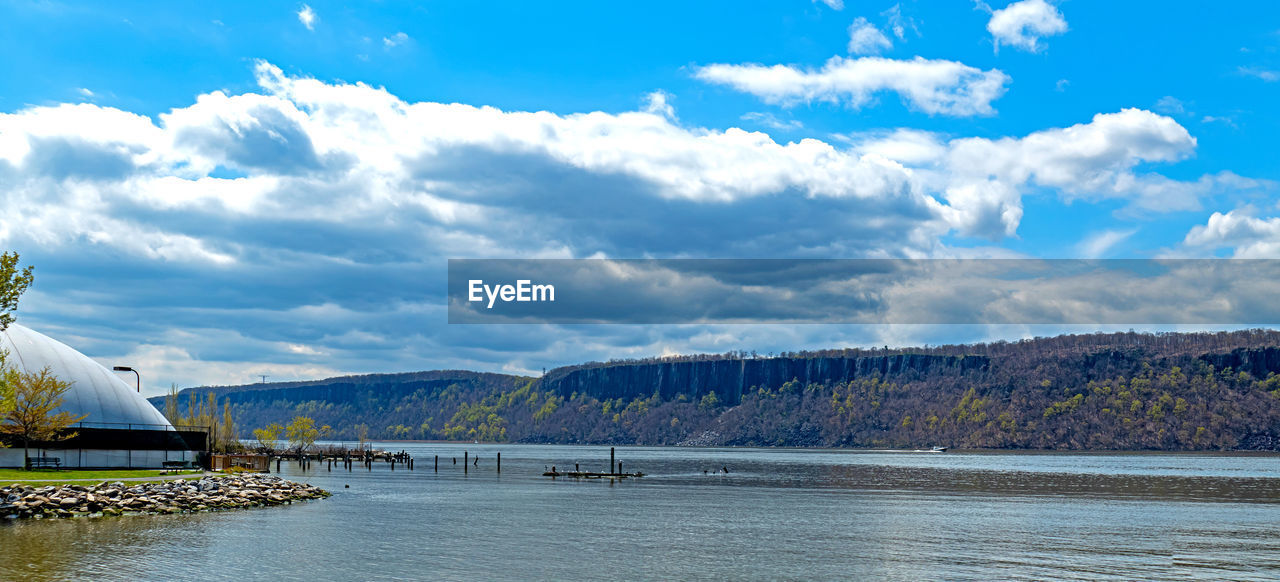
777 514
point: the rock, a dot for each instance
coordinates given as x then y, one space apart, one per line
179 496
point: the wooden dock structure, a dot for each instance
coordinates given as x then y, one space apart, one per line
615 471
590 475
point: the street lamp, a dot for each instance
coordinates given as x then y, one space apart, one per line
135 373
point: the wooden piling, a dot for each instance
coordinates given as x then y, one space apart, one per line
611 471
437 463
499 462
465 455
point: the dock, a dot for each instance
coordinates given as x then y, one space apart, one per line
590 475
615 471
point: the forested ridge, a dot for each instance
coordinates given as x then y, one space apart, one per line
1119 391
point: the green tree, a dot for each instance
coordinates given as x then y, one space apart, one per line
302 432
13 282
269 437
31 400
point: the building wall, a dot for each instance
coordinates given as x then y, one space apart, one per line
98 458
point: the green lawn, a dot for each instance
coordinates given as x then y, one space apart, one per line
55 477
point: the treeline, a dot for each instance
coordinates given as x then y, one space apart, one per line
1174 391
1164 343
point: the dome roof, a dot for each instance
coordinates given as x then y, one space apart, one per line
96 391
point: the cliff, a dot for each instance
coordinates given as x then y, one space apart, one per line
1123 391
730 379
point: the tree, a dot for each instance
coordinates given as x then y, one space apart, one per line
362 434
31 399
302 432
269 437
13 283
203 413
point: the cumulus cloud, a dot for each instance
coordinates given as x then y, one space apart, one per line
1244 235
934 86
659 103
1023 24
866 39
832 4
1094 160
307 17
312 220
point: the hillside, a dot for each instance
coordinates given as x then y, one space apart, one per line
1176 391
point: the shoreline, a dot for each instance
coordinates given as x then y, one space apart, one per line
980 451
208 493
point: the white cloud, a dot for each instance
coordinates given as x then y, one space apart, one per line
899 23
932 86
770 120
1264 74
658 103
912 147
327 209
1225 120
1247 236
866 39
1099 244
1023 24
1085 161
307 17
395 40
85 92
177 365
1170 105
833 4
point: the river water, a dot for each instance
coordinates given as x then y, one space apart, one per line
777 514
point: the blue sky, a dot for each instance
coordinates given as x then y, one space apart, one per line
214 192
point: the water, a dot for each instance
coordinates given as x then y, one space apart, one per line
778 514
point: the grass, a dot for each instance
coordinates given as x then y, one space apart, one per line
41 477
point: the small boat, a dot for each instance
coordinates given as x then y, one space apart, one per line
938 450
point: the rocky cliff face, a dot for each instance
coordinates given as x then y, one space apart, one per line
729 379
1258 362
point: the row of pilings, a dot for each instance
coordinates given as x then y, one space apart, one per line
367 459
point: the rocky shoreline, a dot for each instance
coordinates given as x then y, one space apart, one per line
177 496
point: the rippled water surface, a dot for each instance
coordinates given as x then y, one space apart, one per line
777 514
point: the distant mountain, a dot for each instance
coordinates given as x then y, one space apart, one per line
1174 391
400 405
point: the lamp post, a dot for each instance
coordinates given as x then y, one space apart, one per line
135 373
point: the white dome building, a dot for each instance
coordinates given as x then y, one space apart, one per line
120 429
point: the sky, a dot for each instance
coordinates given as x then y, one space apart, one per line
212 192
